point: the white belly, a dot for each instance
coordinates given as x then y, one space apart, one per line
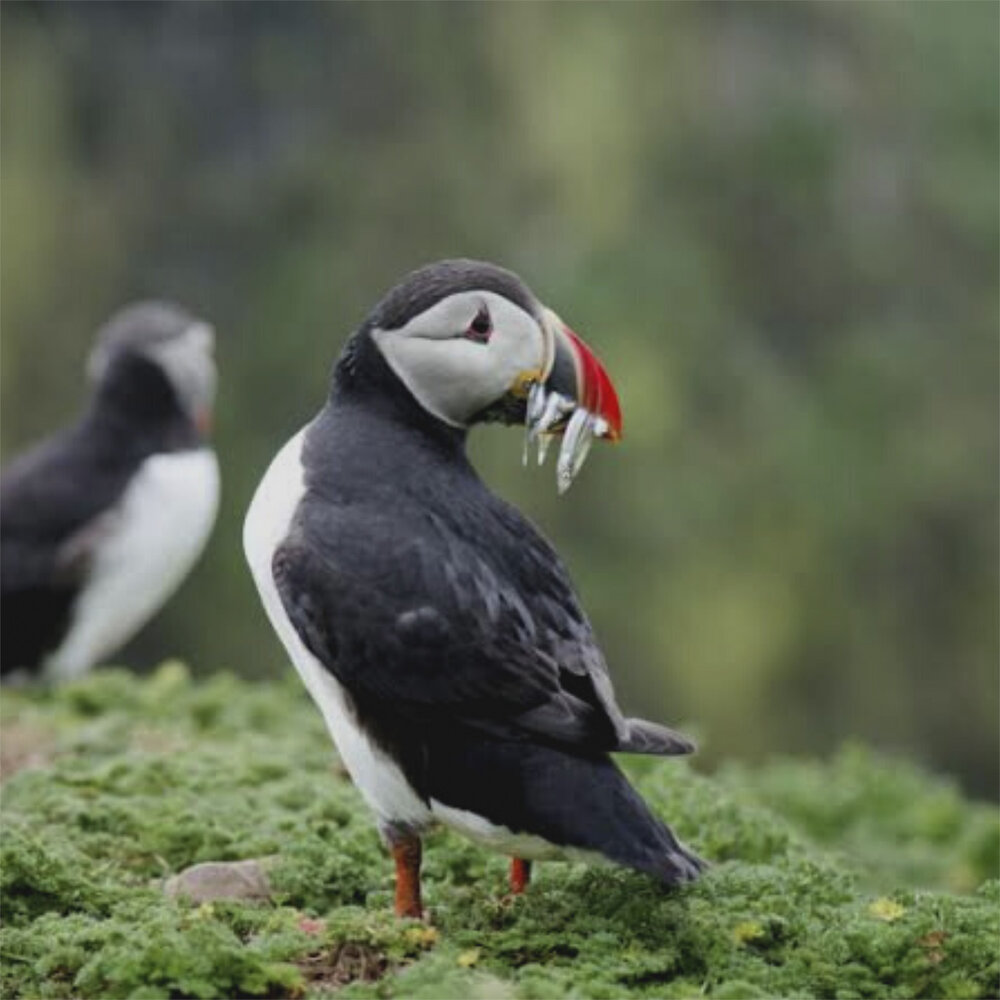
506 841
376 776
147 545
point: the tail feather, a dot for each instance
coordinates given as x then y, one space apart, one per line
677 864
584 803
649 845
652 738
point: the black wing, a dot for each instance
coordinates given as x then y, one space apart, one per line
411 616
53 503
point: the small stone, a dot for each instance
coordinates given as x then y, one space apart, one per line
215 880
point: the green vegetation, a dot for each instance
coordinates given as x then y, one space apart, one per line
831 880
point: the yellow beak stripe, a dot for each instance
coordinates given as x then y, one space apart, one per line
524 381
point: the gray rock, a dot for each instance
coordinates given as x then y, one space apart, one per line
214 880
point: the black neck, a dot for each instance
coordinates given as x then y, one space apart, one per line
135 402
362 376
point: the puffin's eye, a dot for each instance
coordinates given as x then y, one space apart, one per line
481 328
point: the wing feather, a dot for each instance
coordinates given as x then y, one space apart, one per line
423 623
419 617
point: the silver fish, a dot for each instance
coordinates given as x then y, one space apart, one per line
575 447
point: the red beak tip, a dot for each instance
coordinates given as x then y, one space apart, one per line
597 390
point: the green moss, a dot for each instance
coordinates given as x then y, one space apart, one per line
891 820
827 881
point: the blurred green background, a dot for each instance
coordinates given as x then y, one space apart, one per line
777 223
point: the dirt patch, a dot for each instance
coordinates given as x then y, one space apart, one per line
343 964
24 746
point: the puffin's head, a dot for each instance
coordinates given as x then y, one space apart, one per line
472 343
179 344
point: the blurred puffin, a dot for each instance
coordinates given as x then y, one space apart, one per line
434 626
100 523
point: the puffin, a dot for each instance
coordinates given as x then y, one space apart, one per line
101 522
433 625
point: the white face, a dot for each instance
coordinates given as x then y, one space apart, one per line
189 363
465 353
187 359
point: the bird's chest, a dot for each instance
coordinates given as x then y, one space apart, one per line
141 550
378 778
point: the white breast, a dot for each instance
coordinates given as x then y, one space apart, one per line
377 777
145 547
505 841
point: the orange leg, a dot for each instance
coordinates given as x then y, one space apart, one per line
520 875
406 851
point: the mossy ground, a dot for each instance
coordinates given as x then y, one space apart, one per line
855 878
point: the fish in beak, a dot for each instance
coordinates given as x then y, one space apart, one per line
574 399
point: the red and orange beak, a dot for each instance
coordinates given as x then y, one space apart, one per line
203 421
577 374
575 399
